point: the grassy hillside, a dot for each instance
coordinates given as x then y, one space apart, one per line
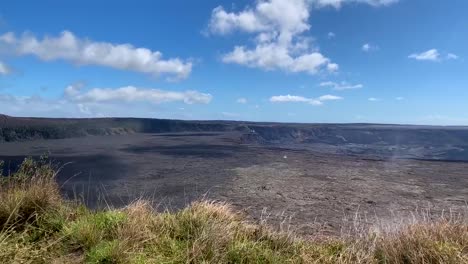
38 226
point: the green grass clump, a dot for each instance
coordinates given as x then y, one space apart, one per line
38 226
106 252
90 229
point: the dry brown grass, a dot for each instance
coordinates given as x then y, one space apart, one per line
28 193
439 241
37 226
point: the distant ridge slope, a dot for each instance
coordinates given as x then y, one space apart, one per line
20 129
407 141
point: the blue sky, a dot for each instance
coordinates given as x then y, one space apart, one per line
384 61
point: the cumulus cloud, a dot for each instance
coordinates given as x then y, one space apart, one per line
241 100
272 56
134 94
430 55
373 99
301 99
4 69
279 28
80 51
341 86
331 35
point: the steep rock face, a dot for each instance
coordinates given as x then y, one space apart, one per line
20 129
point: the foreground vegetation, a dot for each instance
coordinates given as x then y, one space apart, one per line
38 226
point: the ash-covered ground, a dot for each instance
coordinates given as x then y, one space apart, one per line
307 186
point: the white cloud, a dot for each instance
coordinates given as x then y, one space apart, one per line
332 67
288 98
341 86
134 94
4 69
272 56
35 106
68 47
223 22
279 27
73 89
301 99
373 99
230 115
379 2
241 100
38 106
452 56
279 43
77 102
430 55
367 47
84 109
331 35
339 3
399 98
329 97
295 99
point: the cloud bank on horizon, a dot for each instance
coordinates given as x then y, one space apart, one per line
76 101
